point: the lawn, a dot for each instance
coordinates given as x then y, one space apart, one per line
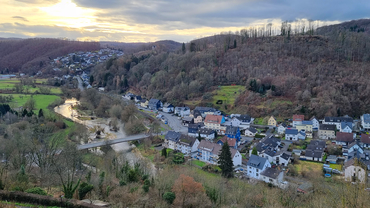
336 166
198 163
8 84
42 101
227 94
309 166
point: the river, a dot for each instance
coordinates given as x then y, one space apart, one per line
124 148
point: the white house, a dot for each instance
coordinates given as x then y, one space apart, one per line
337 121
182 111
209 153
365 121
236 156
242 121
297 120
256 165
291 134
208 134
281 128
354 172
168 108
187 144
355 146
273 176
302 135
250 132
346 127
315 123
171 139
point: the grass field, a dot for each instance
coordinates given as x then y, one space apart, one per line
42 101
336 166
227 94
198 163
8 84
309 166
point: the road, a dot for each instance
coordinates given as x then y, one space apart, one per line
173 121
113 141
80 83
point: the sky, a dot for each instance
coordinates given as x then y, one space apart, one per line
152 20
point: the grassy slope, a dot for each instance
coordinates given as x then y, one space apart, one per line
228 94
8 84
42 101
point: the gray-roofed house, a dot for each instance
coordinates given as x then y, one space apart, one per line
314 151
250 132
327 131
365 140
154 104
273 176
187 144
187 120
168 108
208 134
204 111
242 121
284 159
315 123
256 165
337 120
193 130
365 121
138 98
346 127
281 128
171 139
182 111
291 134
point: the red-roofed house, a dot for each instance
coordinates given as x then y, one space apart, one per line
343 138
232 142
365 140
297 120
214 122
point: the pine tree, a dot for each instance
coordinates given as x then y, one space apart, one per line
91 79
225 161
183 48
164 152
254 151
199 137
234 43
41 113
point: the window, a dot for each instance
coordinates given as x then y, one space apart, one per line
257 170
256 174
270 180
250 171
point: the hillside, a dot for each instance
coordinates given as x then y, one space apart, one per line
310 74
31 55
160 46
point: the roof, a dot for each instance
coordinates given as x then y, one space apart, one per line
366 118
232 130
285 156
344 137
231 142
182 108
269 143
272 118
143 101
205 109
167 105
343 125
153 101
256 162
338 119
316 145
291 131
210 147
314 153
283 125
188 118
173 136
186 140
251 129
313 117
307 122
298 117
329 127
233 152
206 131
244 118
271 173
213 119
365 138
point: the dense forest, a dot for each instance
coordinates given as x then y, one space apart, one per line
31 55
162 45
314 71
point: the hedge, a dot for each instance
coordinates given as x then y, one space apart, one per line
43 200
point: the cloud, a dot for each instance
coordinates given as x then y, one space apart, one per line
21 18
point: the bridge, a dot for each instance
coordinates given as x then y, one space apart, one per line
115 141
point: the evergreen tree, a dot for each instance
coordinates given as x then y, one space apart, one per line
234 43
225 161
216 135
254 151
164 152
91 79
199 137
41 113
183 48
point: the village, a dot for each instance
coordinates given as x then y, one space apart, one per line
338 145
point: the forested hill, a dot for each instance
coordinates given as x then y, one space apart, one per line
30 55
159 46
319 72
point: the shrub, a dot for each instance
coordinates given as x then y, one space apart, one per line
84 189
169 197
36 190
122 183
